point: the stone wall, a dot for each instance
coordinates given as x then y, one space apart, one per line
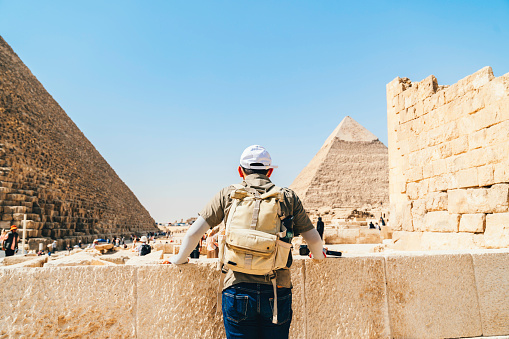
449 161
51 172
417 295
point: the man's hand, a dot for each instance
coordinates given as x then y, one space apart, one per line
324 251
175 260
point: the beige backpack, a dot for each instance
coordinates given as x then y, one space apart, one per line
251 243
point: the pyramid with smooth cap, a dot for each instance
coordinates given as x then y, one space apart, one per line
349 171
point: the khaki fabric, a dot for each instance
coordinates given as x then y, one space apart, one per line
218 208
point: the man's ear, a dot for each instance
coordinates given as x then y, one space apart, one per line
269 173
241 172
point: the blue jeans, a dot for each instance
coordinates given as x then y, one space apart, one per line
247 311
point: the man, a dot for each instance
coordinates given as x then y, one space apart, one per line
247 298
10 244
144 248
320 227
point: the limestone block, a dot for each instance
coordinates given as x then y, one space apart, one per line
401 216
427 170
501 172
103 247
117 258
491 272
433 241
78 259
459 145
485 175
186 298
414 174
496 234
441 221
422 289
479 200
369 236
473 223
331 236
498 198
406 241
68 302
412 189
358 308
152 258
298 326
467 178
16 259
167 248
436 201
439 167
418 213
33 262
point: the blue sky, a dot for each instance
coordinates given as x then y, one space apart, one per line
170 93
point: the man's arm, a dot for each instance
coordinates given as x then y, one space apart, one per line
314 242
193 236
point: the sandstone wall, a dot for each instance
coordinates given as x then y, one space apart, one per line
449 161
51 172
418 295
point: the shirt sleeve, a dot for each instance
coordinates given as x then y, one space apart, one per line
301 221
214 211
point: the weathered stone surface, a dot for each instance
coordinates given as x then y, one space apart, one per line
479 200
299 318
79 259
491 272
449 140
68 302
350 170
472 223
441 221
167 248
359 306
153 257
497 230
432 296
103 247
51 172
31 262
437 201
186 297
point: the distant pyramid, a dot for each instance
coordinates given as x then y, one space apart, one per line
350 170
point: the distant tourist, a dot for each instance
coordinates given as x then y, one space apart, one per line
144 248
371 226
10 243
79 243
382 221
54 246
320 226
211 244
376 226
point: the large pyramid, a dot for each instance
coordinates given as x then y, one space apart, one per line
349 171
51 172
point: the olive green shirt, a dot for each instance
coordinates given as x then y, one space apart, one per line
218 208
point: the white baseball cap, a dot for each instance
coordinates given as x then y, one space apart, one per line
256 154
